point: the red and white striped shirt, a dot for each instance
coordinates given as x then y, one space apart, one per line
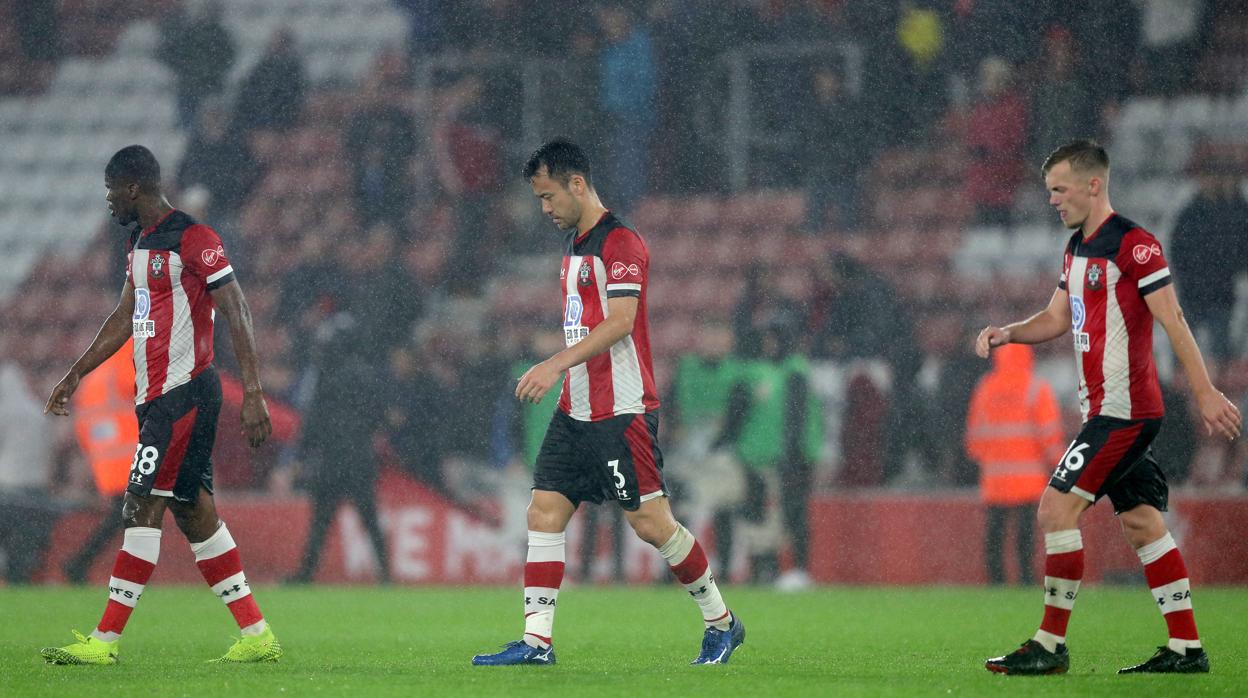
1107 275
609 260
173 265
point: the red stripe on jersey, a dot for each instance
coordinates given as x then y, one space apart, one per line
1094 358
161 290
601 388
641 446
693 566
1144 388
176 451
223 566
543 574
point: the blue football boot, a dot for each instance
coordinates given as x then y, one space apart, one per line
718 645
516 653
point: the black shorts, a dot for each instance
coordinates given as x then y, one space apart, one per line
176 433
1113 457
616 458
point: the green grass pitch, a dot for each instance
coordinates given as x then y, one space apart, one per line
614 642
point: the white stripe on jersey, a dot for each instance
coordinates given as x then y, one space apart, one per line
1155 276
182 333
138 270
1115 363
624 287
218 274
1074 286
578 376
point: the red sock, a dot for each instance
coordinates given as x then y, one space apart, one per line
135 563
1063 571
218 560
543 574
1167 577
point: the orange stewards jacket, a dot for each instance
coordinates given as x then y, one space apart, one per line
104 421
1013 429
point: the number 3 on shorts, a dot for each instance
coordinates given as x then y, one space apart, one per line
1073 458
145 458
615 469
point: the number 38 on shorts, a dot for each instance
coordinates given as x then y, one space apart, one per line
146 459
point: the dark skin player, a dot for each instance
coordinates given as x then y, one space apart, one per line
130 202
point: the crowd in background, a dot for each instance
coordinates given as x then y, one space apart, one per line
390 357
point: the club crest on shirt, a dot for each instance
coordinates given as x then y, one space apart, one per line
582 275
1095 277
156 266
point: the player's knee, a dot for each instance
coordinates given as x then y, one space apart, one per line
543 519
651 529
1142 526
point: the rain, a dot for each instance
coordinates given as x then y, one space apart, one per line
824 203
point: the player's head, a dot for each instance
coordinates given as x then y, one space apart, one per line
131 173
560 176
1077 178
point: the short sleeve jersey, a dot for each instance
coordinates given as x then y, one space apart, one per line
1107 276
608 261
173 266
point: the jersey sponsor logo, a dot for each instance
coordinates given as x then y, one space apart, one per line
619 270
1095 278
211 257
143 325
583 273
1078 315
573 332
1143 253
156 266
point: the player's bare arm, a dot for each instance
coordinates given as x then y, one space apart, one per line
1218 413
112 335
537 381
255 413
1048 324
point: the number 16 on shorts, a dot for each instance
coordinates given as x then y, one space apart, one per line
1072 461
144 465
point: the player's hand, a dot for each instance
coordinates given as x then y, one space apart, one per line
256 424
58 402
1219 414
990 337
536 382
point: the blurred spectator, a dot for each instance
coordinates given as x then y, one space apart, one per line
903 80
38 29
760 306
379 294
1108 37
382 139
996 135
104 422
339 461
572 106
272 95
773 427
1061 106
857 313
1172 32
200 52
834 142
468 153
1209 251
415 433
26 508
1014 434
219 159
628 89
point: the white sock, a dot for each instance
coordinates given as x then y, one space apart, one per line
543 573
688 562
